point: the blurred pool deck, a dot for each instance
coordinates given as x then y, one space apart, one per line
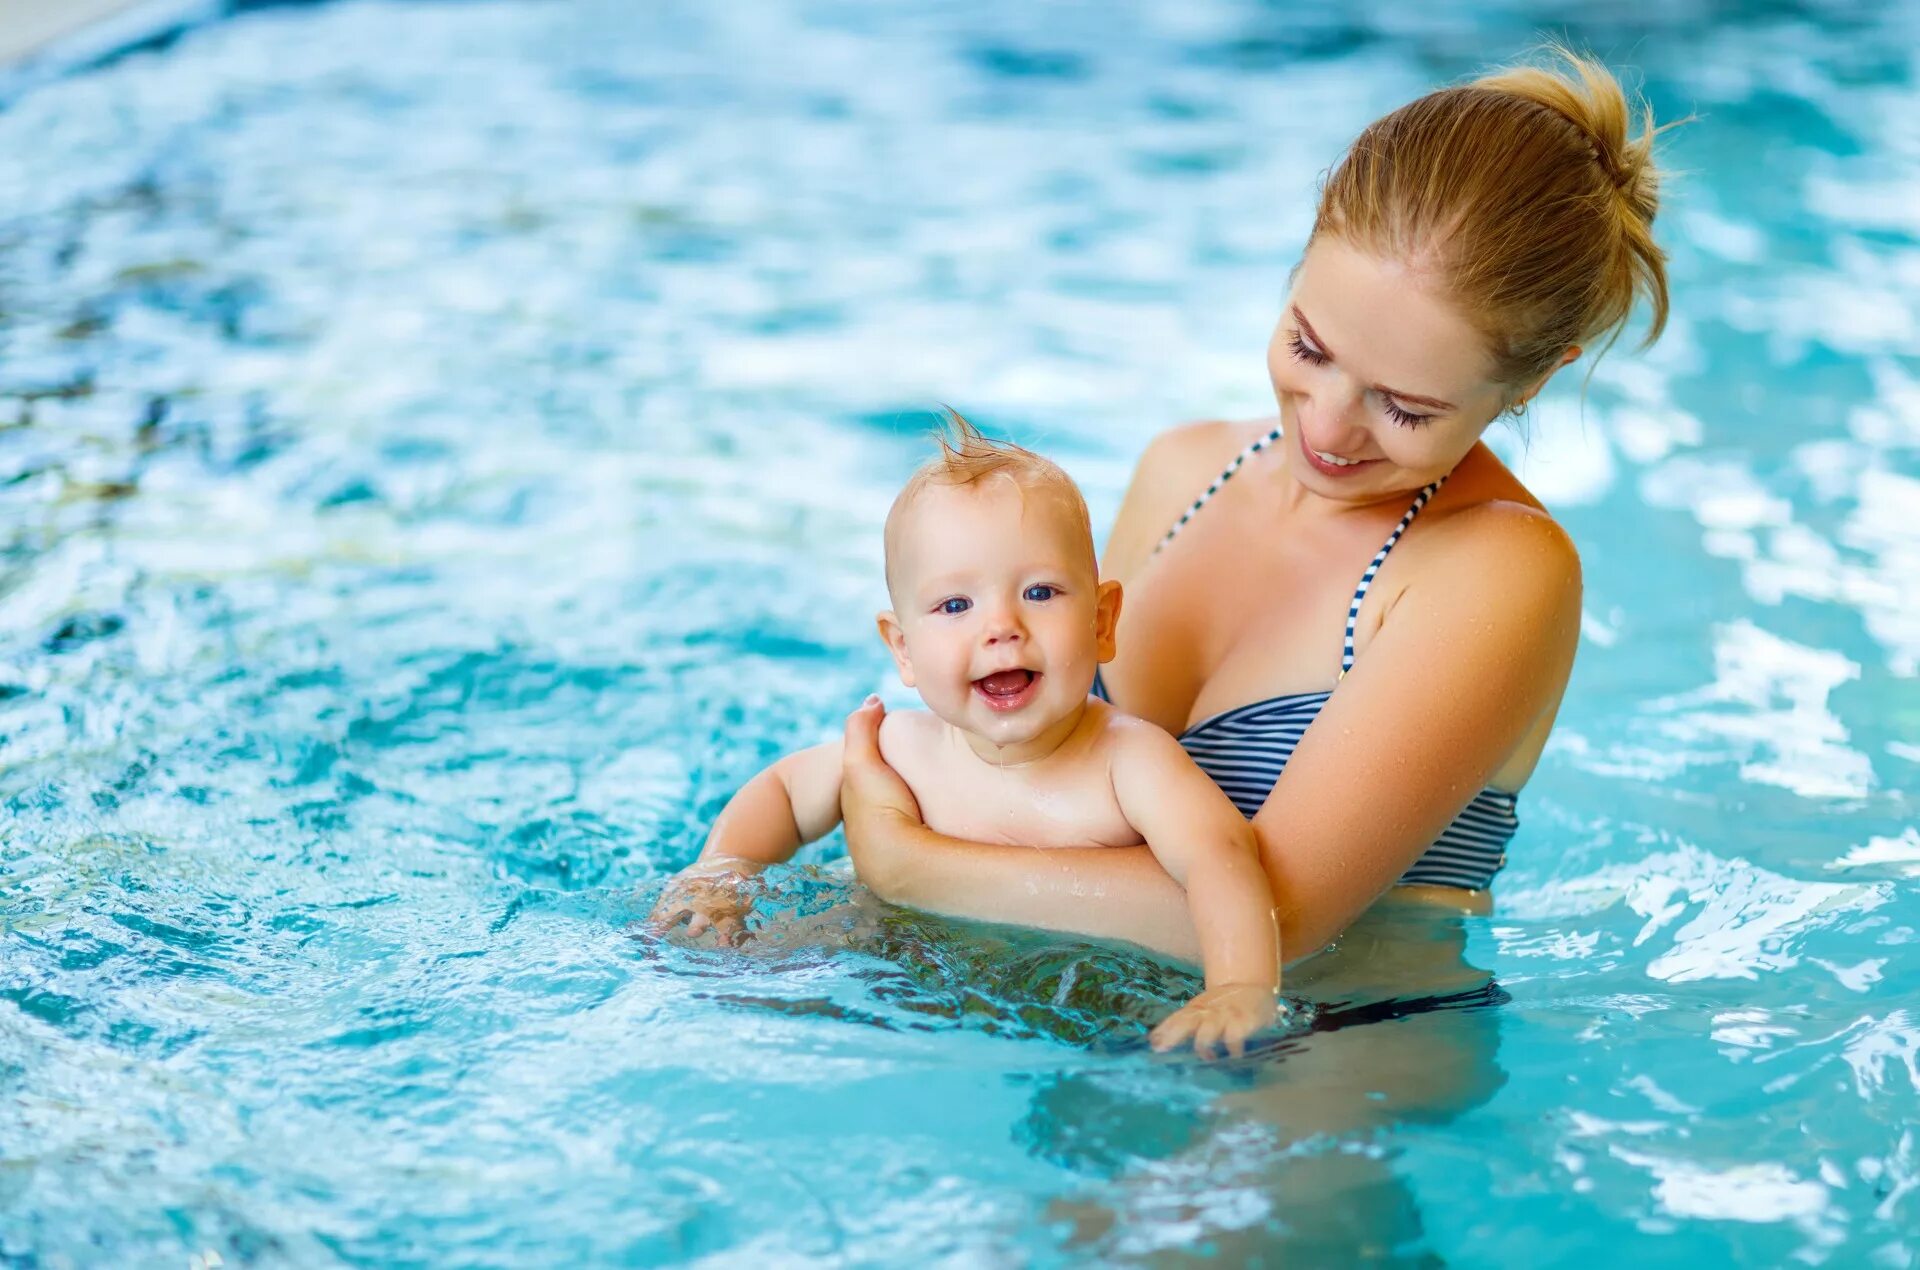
40 39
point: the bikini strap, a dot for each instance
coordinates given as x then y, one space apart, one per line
1214 488
1380 558
1366 579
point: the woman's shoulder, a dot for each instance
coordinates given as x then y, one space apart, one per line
1202 448
1175 468
1493 527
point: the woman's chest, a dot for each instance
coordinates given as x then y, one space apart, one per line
1235 610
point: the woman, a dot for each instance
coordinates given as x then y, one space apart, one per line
1353 616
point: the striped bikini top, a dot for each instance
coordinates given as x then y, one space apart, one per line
1245 749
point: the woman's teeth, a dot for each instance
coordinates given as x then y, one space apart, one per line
1334 460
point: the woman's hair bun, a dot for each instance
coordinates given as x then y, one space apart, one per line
1530 193
1585 93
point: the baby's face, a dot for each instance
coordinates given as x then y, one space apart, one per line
1000 619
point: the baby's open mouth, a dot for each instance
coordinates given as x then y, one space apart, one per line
1007 689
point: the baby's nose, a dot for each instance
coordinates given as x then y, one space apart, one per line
1005 628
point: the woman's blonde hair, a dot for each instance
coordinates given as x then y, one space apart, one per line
1524 196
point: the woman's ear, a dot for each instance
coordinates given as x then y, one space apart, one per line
1523 398
1106 619
896 641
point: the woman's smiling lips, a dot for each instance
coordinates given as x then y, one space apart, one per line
1003 691
1344 467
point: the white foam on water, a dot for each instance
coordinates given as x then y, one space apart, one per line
1767 708
1706 917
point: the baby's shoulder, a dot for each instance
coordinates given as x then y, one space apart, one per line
1122 737
908 737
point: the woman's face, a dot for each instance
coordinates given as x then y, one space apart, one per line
1382 386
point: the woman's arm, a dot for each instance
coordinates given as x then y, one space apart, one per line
1470 658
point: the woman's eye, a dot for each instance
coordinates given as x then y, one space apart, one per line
955 606
1406 418
1040 593
1301 352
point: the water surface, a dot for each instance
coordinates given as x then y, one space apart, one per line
442 454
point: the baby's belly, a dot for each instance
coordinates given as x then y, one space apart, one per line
1031 827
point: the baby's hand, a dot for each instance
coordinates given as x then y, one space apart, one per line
715 895
1226 1015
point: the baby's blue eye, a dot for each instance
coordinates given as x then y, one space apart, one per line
1040 593
955 606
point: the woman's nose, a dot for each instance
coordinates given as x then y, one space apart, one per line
1337 413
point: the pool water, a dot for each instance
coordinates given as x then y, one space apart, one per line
442 454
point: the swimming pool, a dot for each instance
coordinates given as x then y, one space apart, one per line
442 452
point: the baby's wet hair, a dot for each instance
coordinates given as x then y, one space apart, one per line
969 457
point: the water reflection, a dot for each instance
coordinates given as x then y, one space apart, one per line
1296 1147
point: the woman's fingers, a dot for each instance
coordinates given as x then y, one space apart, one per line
871 792
862 742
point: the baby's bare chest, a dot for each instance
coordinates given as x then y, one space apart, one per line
1075 807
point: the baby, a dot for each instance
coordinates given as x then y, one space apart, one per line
999 619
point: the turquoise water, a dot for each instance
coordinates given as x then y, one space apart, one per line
442 453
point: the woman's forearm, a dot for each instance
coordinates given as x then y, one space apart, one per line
1101 892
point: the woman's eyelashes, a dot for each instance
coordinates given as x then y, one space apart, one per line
1302 351
1405 418
1305 352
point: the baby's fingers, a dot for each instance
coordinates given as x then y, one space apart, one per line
1173 1030
1207 1036
666 916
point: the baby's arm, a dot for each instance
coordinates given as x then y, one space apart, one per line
1210 849
777 812
790 803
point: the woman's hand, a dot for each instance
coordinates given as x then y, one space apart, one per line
875 803
1226 1015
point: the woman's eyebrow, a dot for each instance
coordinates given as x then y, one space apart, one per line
1412 397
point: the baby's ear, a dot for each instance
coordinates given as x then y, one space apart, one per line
1106 619
896 641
